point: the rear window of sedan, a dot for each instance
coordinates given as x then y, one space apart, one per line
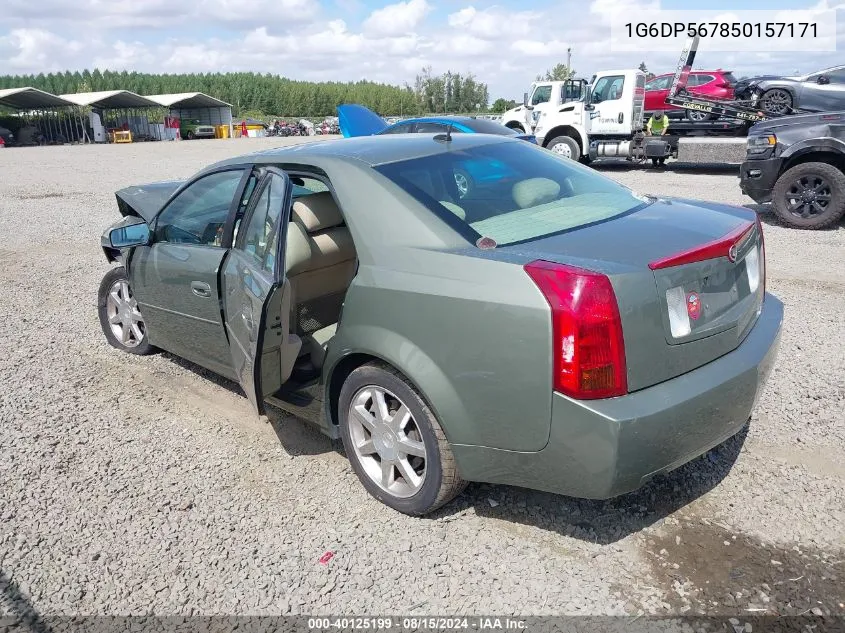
511 192
486 126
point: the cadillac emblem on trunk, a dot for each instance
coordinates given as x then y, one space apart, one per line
693 306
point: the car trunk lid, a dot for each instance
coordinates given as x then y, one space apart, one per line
145 200
687 276
356 120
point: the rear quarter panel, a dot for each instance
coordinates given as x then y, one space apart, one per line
472 334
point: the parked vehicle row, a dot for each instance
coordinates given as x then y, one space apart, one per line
822 91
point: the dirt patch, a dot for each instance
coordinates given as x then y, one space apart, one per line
705 568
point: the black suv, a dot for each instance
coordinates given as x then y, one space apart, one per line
798 164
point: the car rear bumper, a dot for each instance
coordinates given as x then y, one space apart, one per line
604 448
757 178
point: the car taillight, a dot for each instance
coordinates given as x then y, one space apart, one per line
723 247
762 255
588 346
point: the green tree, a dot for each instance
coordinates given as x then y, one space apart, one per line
502 105
276 96
560 72
644 68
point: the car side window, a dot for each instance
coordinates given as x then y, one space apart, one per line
429 128
400 128
837 76
700 80
198 214
608 88
661 83
542 94
260 236
248 191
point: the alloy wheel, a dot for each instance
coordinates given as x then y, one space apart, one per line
462 183
776 102
808 196
387 441
124 317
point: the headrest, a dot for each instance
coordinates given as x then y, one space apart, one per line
534 192
317 211
298 251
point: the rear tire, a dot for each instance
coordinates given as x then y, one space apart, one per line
372 453
190 136
120 317
776 101
565 146
810 196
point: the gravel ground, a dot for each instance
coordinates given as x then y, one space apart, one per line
145 485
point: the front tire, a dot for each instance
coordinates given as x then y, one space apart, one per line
120 318
810 196
394 443
565 146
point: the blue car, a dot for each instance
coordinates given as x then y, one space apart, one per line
356 120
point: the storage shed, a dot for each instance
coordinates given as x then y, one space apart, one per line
199 107
113 111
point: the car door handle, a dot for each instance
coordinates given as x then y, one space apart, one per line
201 289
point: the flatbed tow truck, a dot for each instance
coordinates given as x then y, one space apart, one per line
604 118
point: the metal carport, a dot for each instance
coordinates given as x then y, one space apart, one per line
195 105
118 109
41 117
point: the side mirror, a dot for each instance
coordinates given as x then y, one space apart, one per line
824 80
130 235
525 103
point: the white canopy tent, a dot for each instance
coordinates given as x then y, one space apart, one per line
42 117
113 109
203 108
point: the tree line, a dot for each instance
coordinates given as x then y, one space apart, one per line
273 95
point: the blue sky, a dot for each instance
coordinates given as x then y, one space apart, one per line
503 42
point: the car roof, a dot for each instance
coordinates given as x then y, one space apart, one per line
455 118
371 150
697 71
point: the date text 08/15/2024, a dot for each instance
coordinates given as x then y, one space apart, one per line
420 623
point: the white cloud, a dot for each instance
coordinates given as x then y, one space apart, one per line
493 22
502 47
30 49
397 19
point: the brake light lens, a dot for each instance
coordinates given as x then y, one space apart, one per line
762 255
722 247
587 342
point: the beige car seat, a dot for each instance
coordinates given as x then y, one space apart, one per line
320 262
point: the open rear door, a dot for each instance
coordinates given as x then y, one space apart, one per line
256 294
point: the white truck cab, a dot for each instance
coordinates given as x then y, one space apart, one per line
603 118
541 96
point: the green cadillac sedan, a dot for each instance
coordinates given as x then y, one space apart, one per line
546 328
